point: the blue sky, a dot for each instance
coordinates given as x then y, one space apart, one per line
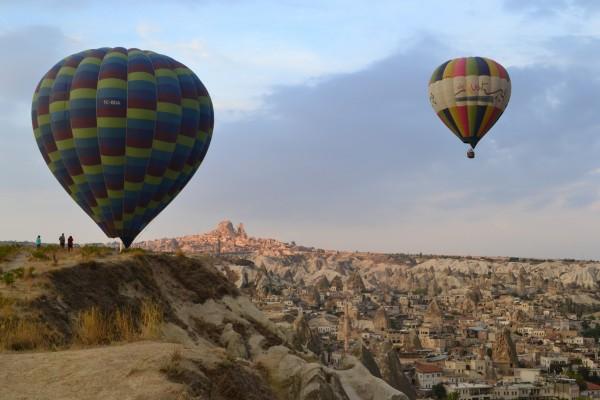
324 134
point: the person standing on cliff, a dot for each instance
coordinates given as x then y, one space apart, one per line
61 241
70 243
38 241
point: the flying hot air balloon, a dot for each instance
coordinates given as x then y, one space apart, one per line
123 131
469 94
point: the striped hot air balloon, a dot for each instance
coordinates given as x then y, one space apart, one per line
123 131
469 94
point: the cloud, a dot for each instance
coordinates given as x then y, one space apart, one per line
29 53
359 159
354 158
373 131
550 8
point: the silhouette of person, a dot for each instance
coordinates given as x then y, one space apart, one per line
61 241
70 243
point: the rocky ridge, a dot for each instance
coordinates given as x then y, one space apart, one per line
294 263
214 343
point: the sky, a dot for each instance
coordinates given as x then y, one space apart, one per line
323 130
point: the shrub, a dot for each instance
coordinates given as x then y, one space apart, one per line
6 307
92 327
172 365
39 254
18 272
151 319
7 251
29 273
124 325
8 278
93 251
134 251
20 334
180 253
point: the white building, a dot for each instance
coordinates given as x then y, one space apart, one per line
517 391
547 361
471 391
428 375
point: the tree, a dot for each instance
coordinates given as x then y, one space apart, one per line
453 396
438 391
584 372
578 378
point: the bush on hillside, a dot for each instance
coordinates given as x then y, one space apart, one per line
93 251
8 250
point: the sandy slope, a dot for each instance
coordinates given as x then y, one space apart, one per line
122 372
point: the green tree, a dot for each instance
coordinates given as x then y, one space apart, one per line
453 396
438 391
578 378
584 372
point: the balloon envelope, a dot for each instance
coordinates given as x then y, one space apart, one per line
123 131
469 94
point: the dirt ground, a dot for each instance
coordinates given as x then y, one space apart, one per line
129 371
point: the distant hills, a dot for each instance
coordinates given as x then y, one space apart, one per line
411 272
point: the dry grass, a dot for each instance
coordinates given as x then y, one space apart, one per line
29 273
21 334
92 251
8 251
6 308
94 327
91 327
172 366
43 253
135 251
124 326
151 320
17 333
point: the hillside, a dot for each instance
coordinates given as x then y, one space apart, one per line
410 272
98 325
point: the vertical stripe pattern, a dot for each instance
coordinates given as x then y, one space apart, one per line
123 131
469 95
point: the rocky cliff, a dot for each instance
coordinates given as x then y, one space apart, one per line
212 344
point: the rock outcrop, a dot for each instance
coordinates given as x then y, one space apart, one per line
304 338
366 358
504 353
355 283
214 343
233 342
412 341
381 322
360 271
392 371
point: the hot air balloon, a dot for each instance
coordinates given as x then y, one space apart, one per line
123 131
469 94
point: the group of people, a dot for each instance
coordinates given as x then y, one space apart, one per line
61 241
